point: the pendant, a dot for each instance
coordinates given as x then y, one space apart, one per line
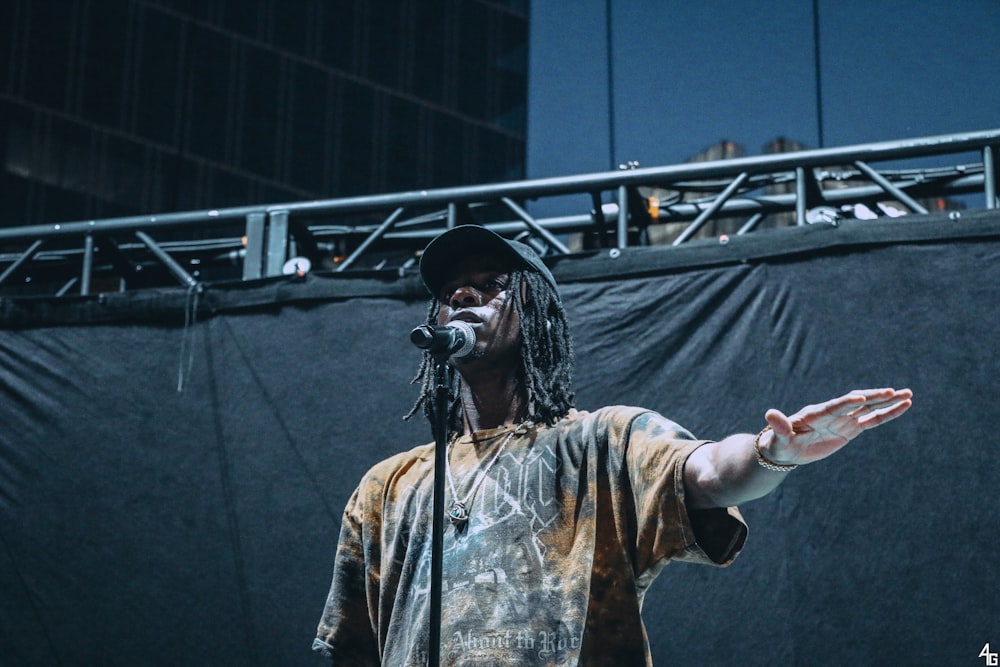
459 515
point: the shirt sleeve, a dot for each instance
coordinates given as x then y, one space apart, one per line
346 633
656 452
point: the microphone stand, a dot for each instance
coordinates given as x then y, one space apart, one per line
441 389
456 339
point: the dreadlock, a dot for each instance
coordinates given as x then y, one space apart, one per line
546 356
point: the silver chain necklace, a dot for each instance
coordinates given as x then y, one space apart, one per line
459 512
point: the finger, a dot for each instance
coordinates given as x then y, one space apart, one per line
839 406
845 404
867 398
779 423
878 403
864 410
879 417
886 394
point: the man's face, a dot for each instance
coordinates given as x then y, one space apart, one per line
476 291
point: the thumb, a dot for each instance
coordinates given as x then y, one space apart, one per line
779 423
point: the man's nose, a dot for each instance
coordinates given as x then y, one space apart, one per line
465 297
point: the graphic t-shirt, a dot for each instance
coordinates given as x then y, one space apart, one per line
566 531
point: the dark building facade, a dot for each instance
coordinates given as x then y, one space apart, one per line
123 107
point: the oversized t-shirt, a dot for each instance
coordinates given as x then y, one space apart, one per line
566 531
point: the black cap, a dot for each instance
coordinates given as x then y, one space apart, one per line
443 253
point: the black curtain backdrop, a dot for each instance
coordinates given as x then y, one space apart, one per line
145 525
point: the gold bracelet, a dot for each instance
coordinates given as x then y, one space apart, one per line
764 461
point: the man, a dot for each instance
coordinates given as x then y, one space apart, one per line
559 519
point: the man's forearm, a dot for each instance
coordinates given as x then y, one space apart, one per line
727 473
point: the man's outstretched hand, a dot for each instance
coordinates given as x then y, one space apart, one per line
816 431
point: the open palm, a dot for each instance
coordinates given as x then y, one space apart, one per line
817 431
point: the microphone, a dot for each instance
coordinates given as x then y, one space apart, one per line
455 339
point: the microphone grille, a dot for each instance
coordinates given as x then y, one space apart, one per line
468 338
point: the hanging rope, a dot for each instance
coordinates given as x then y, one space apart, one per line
186 362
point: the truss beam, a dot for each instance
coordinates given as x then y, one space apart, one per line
615 210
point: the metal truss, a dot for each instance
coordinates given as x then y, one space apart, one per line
670 206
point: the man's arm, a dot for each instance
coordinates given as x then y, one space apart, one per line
731 471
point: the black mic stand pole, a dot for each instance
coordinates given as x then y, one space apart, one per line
442 386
